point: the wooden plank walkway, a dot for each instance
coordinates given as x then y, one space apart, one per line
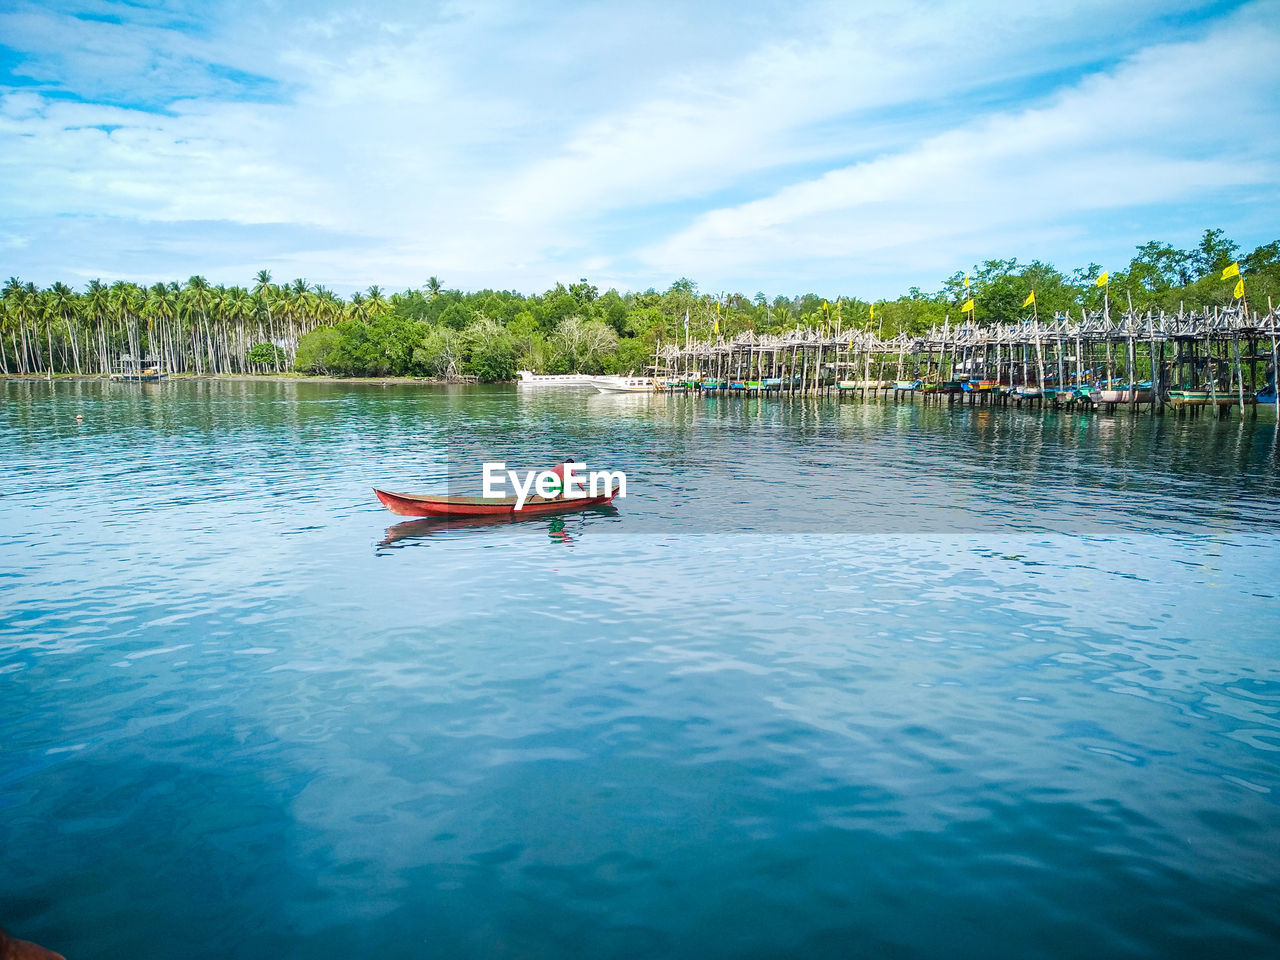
1212 360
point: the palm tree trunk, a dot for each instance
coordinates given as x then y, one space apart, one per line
208 342
75 349
104 361
25 365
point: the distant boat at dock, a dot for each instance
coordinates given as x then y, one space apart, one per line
1210 398
564 380
1120 393
131 370
617 384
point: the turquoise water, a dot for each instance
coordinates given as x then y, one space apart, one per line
1030 708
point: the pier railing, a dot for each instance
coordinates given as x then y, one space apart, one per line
1210 358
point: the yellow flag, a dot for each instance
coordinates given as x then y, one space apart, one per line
1231 271
1102 279
873 311
966 281
716 328
1031 298
967 306
1239 290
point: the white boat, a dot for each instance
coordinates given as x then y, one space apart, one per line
530 379
616 384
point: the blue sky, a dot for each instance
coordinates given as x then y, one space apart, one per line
787 147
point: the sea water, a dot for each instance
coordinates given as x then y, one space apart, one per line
835 679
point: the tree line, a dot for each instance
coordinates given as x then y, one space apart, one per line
199 328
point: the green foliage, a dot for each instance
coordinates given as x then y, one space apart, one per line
489 334
314 350
631 356
584 344
439 354
490 351
266 355
455 315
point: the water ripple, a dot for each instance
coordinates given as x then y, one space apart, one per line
1038 693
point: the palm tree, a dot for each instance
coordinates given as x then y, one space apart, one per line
196 297
328 307
29 305
9 299
298 300
126 304
60 302
152 309
240 306
433 286
8 320
265 291
97 307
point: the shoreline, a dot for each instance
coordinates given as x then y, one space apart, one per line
251 377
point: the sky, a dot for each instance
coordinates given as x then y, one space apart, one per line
801 146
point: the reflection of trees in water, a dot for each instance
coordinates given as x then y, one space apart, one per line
924 455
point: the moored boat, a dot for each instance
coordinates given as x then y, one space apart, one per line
1068 394
617 384
1206 398
1139 394
530 379
1189 398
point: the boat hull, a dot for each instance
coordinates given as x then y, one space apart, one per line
1124 396
1205 398
563 381
439 505
624 384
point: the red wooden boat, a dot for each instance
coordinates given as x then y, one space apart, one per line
442 505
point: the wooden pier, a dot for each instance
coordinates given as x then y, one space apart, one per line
1214 360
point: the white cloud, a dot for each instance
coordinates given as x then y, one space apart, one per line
495 145
1157 130
799 98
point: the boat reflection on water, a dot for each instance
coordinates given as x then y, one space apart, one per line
560 528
